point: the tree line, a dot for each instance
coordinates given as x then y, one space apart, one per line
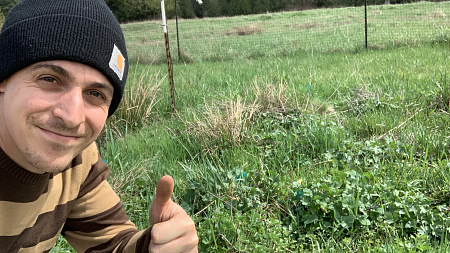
135 10
128 10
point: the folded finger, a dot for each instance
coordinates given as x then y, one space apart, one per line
183 244
174 228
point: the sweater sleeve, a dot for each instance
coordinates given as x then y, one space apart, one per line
98 222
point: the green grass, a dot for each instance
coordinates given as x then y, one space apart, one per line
332 151
368 140
288 33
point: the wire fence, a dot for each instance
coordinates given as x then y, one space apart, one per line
285 33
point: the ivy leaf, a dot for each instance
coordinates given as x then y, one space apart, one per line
410 224
364 221
347 221
312 218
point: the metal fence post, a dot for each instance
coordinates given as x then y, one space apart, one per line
169 59
365 19
178 36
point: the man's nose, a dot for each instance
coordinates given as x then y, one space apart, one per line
70 108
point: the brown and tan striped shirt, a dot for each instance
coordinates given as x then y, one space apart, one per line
79 203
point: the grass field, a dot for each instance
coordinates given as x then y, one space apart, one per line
342 151
288 33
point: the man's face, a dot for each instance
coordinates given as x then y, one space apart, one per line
51 111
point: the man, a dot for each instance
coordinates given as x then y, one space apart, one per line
63 68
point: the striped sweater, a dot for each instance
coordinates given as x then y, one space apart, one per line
78 203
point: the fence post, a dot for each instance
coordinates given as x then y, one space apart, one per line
365 19
169 59
178 36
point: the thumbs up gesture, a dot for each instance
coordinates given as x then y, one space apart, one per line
173 230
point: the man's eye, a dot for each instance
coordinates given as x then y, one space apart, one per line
49 79
96 94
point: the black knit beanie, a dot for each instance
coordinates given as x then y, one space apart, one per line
83 31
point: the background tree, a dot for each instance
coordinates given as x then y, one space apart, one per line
133 10
239 7
185 9
212 8
260 6
129 10
224 4
198 9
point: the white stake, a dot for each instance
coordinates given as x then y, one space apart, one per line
163 11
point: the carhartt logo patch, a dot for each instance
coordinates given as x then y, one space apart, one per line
117 62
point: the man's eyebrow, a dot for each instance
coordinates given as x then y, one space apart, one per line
103 86
58 69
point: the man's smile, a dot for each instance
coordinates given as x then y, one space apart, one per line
60 136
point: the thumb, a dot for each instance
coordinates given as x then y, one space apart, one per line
160 209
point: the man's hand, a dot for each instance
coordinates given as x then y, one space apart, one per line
173 230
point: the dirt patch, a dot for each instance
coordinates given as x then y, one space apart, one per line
437 14
305 26
245 30
345 22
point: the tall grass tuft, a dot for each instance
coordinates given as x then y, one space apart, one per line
184 57
443 96
137 106
227 121
222 121
270 97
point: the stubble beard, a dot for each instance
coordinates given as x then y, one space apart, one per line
42 163
39 159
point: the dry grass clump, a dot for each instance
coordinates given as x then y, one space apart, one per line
270 97
245 30
227 121
362 94
136 109
360 99
222 121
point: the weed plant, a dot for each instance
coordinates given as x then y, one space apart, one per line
341 152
